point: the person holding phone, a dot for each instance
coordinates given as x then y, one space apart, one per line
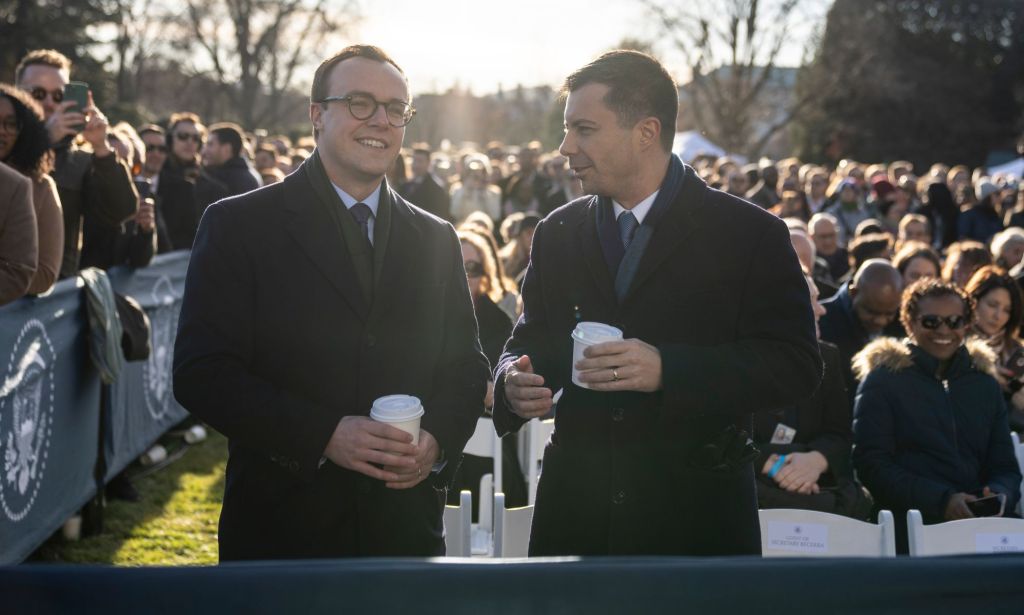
999 315
92 185
930 426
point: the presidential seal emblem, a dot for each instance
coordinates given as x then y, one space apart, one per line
157 369
26 419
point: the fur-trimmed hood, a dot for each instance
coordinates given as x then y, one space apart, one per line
895 355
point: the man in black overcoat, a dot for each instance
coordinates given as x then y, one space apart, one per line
304 302
654 458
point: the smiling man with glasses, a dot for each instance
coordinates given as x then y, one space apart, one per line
94 185
305 301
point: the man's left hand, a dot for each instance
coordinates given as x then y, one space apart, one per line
96 128
629 365
427 452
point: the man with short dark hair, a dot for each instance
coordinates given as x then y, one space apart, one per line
94 185
222 159
661 421
425 190
307 300
861 311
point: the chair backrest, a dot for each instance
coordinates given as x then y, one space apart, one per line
984 535
457 521
1018 450
485 443
511 529
537 435
809 533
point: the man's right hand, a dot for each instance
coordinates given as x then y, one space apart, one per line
525 390
956 507
63 122
359 442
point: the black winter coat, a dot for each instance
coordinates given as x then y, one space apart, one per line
919 439
625 473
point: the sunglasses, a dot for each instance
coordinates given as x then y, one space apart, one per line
474 269
40 94
188 136
156 147
933 322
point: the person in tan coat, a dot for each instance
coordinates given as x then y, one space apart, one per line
18 248
24 146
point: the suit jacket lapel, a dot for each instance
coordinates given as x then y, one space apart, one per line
671 231
318 236
402 238
593 253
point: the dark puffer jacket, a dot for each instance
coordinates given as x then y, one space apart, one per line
919 439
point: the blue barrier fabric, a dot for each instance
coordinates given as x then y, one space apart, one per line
141 404
49 417
988 584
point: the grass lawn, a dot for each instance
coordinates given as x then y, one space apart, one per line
173 524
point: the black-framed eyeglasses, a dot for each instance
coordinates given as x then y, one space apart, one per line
188 136
933 322
363 106
474 269
11 125
40 94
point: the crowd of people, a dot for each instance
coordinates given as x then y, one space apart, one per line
915 280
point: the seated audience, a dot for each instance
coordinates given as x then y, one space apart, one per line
915 261
805 449
962 259
930 429
861 312
998 299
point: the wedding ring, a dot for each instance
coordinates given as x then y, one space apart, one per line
615 374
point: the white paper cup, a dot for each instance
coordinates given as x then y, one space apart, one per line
587 334
400 411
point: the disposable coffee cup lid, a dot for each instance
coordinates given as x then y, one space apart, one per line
596 332
396 408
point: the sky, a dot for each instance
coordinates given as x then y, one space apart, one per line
533 42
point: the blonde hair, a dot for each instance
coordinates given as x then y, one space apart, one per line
494 289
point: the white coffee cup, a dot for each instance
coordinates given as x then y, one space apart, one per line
399 411
587 334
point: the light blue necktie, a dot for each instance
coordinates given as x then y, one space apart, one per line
627 228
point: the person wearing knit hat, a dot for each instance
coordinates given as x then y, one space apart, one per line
847 204
984 189
982 220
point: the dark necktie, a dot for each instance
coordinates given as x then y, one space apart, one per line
361 213
627 228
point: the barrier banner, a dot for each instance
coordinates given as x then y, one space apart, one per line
49 417
141 402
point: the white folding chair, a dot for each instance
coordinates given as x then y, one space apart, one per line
511 529
457 521
808 533
982 535
485 443
537 433
1018 450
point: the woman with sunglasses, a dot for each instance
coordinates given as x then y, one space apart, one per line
25 147
999 302
495 327
930 426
